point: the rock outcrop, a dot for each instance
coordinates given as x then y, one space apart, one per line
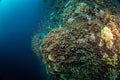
84 43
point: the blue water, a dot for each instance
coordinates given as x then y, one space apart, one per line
18 21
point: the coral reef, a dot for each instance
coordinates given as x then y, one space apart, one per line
85 41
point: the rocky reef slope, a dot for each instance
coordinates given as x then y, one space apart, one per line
84 43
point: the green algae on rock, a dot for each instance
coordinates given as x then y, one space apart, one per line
86 44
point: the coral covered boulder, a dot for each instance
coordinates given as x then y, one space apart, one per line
86 44
82 53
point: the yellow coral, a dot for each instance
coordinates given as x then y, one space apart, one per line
107 36
113 61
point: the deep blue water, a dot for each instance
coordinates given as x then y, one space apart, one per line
18 20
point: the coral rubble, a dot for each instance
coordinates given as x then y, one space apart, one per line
86 43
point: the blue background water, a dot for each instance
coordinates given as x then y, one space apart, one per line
18 21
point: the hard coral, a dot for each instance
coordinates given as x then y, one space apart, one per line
107 36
